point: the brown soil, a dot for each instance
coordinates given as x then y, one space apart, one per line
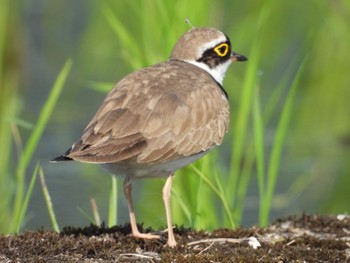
309 238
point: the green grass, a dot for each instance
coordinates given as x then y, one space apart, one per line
113 203
237 182
267 183
289 119
112 207
19 193
47 198
8 109
33 141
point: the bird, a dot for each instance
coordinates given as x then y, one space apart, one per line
162 117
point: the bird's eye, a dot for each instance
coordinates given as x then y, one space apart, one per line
221 49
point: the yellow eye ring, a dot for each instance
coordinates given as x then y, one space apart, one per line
221 49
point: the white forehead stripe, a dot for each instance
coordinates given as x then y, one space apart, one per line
211 44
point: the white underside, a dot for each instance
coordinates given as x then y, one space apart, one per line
138 171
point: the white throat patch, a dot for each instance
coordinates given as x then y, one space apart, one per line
218 72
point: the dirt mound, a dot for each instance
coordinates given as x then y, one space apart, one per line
309 238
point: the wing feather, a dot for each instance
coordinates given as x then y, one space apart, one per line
153 119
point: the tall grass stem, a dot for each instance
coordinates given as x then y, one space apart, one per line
48 201
34 139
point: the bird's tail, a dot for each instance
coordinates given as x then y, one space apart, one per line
63 157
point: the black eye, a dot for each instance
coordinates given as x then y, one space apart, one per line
221 49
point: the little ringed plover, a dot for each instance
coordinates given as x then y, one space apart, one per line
163 117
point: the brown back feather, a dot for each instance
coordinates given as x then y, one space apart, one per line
160 113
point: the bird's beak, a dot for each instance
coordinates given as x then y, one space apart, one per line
237 57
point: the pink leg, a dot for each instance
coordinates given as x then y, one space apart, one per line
166 199
134 229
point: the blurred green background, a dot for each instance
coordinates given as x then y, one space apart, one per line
38 36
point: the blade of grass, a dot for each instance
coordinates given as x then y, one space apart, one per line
128 42
275 156
8 108
89 218
95 211
113 203
258 129
34 138
204 217
218 193
28 194
4 12
246 100
242 121
218 178
259 139
103 87
242 189
48 201
271 105
259 122
181 202
198 222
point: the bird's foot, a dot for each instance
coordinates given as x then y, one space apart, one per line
145 235
171 243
